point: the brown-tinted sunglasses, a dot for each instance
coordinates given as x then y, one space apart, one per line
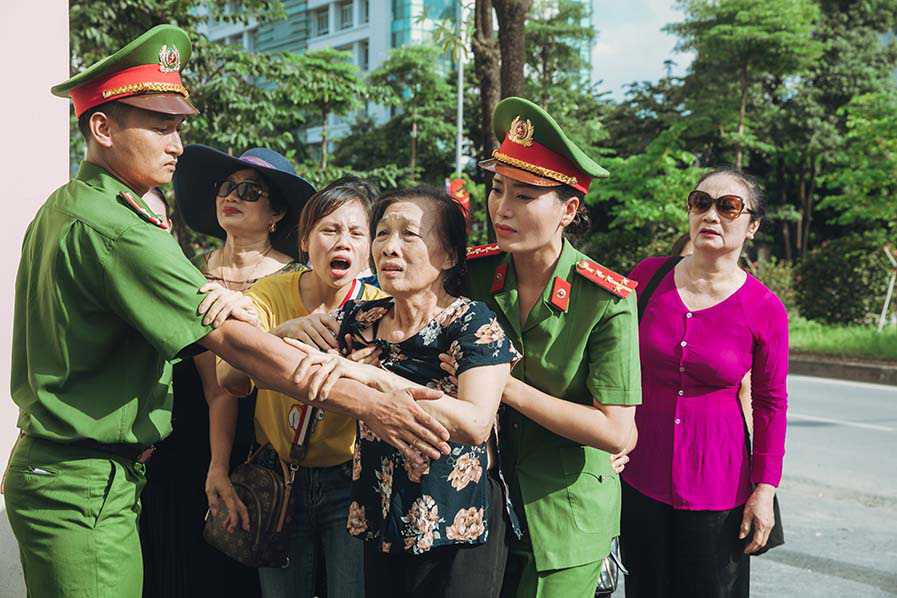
729 207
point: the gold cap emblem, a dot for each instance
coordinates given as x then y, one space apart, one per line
169 59
521 132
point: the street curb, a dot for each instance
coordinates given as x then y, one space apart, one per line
817 365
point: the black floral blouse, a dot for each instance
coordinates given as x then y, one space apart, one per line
414 508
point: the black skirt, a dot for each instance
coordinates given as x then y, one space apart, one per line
674 553
176 560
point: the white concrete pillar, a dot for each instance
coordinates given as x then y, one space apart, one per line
34 160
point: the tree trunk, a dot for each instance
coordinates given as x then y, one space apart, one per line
801 200
324 140
512 41
742 108
782 184
786 239
486 65
486 59
546 77
808 207
413 163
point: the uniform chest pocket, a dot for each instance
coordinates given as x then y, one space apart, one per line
593 489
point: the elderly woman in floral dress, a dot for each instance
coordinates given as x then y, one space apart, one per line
434 528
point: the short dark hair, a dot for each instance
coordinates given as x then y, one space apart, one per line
756 198
113 109
582 223
329 199
679 244
450 224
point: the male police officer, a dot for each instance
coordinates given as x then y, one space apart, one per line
104 299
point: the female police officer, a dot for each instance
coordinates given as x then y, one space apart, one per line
570 403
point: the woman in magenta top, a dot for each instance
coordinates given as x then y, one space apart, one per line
692 493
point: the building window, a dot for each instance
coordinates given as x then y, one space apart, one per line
363 62
345 14
363 9
398 10
321 22
252 40
348 50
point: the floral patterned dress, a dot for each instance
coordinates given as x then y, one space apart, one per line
413 508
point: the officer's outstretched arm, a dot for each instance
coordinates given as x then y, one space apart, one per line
605 427
395 417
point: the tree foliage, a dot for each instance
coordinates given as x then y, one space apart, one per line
737 42
326 82
412 74
556 39
863 175
647 191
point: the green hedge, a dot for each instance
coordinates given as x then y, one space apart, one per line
844 281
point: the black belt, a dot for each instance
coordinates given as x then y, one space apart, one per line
133 452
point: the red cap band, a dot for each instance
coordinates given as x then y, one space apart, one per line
129 82
540 160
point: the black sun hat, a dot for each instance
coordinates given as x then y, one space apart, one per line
200 167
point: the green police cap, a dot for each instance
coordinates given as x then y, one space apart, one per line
536 150
145 73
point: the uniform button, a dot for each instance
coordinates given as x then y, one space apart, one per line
681 369
682 343
515 426
688 315
677 421
681 392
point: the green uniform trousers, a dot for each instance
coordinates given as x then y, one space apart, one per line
74 513
522 580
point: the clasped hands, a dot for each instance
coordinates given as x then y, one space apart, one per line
398 415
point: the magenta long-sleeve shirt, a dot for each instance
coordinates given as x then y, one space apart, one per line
691 438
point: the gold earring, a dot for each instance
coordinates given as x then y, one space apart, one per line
272 227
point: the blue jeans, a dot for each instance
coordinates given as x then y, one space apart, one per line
321 509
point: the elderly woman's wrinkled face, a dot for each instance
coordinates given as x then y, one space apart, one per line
711 232
339 244
409 255
237 216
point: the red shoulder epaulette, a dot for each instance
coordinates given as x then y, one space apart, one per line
131 203
615 283
482 251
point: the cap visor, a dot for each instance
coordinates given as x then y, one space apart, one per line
166 103
518 174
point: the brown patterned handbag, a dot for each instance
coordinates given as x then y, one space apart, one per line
268 496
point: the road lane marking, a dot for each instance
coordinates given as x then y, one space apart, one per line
840 422
887 388
861 574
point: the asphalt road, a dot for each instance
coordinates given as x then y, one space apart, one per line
838 495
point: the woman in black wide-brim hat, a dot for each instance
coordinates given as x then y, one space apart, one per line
252 203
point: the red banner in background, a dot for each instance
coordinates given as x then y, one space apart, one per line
455 189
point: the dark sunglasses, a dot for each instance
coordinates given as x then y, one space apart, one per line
729 207
247 190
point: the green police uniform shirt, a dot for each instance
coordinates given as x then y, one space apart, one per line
104 299
570 494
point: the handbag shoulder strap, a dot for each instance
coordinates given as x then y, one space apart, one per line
662 271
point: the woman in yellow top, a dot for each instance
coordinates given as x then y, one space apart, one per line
334 238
